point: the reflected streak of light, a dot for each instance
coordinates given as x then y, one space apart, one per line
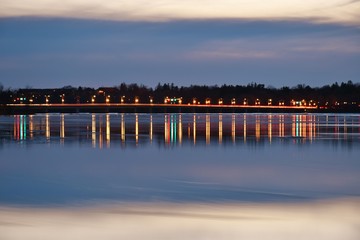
189 131
123 128
245 129
62 126
24 126
233 127
31 126
207 128
100 133
172 129
345 128
16 125
293 126
257 127
93 130
21 127
220 128
194 127
336 127
108 130
166 129
282 126
298 126
315 126
270 127
303 125
137 128
310 126
151 128
47 126
180 129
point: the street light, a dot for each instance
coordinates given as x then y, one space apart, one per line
245 102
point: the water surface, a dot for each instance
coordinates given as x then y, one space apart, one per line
48 159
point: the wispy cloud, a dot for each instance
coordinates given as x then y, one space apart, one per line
339 11
274 48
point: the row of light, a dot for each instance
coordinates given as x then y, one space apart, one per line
174 100
168 100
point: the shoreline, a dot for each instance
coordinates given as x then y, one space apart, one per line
11 109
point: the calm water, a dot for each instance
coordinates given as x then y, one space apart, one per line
73 158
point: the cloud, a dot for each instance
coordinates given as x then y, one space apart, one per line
338 11
275 48
51 52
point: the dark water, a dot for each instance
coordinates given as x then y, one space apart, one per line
73 158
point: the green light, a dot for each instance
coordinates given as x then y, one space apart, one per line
24 126
21 127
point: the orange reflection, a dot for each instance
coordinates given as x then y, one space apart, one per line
62 128
257 127
173 128
167 129
270 127
137 128
47 127
303 127
31 126
293 126
220 128
233 127
207 128
194 128
245 128
151 128
107 130
281 126
93 130
20 126
100 133
123 128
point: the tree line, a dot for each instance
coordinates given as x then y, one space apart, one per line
331 95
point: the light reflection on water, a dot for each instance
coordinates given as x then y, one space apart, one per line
61 158
168 129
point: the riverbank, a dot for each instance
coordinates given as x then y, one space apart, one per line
161 108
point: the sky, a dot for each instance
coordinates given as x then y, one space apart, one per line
97 43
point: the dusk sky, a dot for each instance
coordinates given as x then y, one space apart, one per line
48 43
